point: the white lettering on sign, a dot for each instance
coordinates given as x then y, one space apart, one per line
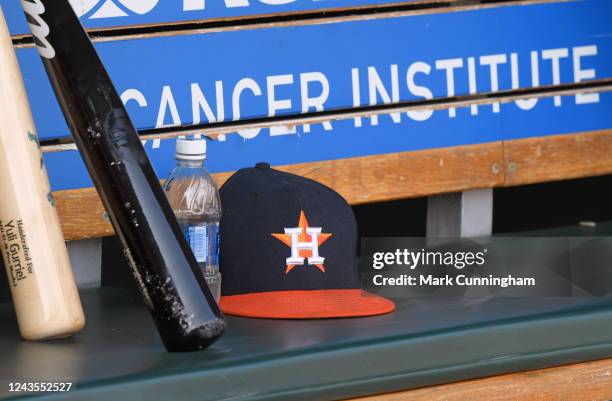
525 104
418 90
356 94
167 103
112 8
199 102
275 105
555 55
493 61
241 86
195 5
310 91
582 74
138 97
377 88
473 87
449 66
316 102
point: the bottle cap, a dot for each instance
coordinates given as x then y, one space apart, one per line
191 149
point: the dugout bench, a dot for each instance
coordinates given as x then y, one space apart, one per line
383 100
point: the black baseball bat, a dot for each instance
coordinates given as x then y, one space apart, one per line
184 310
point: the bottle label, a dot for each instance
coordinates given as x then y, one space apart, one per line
197 237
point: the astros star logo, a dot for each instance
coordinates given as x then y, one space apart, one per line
304 242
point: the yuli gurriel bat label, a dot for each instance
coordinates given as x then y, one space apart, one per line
16 251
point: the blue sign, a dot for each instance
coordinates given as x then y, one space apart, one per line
266 72
114 13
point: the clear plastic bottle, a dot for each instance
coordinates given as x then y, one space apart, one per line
194 197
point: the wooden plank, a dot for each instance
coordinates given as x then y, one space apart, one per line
82 214
359 180
558 157
408 174
584 381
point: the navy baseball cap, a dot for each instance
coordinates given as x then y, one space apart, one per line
289 249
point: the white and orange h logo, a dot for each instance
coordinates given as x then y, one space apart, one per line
304 242
296 246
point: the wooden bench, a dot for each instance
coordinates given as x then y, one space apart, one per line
409 174
461 148
582 381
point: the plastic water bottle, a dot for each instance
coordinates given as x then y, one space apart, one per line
194 197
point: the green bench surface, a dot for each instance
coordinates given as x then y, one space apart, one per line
120 357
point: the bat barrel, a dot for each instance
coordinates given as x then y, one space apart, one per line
183 308
40 277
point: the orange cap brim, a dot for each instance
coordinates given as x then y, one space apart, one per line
306 304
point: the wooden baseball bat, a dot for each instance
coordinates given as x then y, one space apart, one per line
31 241
184 310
